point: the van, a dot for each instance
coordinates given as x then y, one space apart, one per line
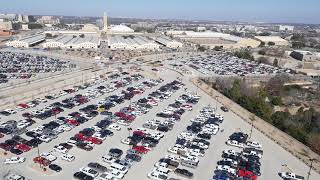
188 163
119 167
162 170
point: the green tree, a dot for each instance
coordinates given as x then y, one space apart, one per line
262 52
271 43
275 62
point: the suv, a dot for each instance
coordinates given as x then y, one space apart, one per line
115 153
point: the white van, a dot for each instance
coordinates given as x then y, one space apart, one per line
119 167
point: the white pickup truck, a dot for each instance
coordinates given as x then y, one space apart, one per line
290 176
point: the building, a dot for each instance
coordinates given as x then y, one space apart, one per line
90 28
169 43
5 33
277 40
25 27
48 20
283 28
201 29
6 25
302 55
120 29
132 43
8 17
73 42
211 39
27 41
105 22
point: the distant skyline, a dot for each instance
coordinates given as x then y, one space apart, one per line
270 11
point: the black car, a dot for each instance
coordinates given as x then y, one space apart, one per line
224 109
204 136
134 157
97 167
115 152
183 172
55 167
16 151
82 176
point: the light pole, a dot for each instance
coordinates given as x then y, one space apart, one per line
311 163
216 97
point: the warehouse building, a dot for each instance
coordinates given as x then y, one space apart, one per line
72 42
58 42
26 42
132 43
277 40
169 43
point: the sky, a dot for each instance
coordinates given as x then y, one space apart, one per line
276 11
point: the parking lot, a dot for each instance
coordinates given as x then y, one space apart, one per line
152 120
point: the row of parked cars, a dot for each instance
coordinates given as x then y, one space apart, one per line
223 64
47 131
22 66
244 164
86 138
190 146
141 141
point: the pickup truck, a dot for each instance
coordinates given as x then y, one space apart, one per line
290 176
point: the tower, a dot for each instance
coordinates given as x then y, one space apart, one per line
105 22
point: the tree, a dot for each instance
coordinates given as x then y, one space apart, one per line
262 52
218 48
202 48
263 60
271 43
244 54
314 143
275 62
262 44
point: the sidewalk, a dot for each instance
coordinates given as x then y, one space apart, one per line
287 142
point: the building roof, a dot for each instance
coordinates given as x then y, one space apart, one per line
32 39
121 28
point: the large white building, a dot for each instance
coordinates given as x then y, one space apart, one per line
105 22
132 43
71 42
120 29
169 43
27 41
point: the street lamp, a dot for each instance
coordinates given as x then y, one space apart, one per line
311 163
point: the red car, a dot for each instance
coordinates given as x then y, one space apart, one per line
94 140
42 161
141 149
138 133
23 147
120 114
247 174
72 122
25 106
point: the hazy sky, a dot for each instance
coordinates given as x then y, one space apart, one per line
301 11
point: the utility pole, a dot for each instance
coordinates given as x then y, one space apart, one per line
311 163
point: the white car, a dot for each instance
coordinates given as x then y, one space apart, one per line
108 159
253 153
226 168
115 173
68 157
126 141
231 152
61 149
254 144
123 122
14 160
90 172
235 143
157 175
45 138
173 157
115 127
48 156
107 176
292 176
